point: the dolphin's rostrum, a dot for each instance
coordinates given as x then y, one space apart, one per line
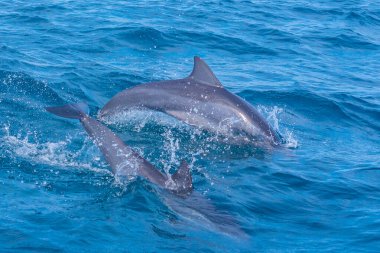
199 100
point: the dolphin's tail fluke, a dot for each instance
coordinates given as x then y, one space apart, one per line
73 111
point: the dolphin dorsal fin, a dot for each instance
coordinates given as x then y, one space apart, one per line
182 178
202 73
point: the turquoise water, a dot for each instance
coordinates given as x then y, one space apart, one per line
311 68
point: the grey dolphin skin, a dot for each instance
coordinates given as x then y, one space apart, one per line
199 100
124 161
177 191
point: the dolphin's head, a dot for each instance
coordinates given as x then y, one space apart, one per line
253 133
254 127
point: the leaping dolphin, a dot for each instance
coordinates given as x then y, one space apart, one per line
199 100
125 162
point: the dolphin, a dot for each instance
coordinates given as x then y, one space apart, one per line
199 100
126 163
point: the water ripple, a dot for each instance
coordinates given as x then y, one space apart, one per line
310 68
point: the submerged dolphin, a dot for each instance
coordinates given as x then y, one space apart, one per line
199 100
125 162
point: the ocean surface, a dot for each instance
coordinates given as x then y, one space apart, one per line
312 68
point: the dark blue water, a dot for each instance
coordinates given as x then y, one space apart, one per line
311 68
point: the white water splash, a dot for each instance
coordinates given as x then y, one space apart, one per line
290 140
139 118
49 153
273 115
171 145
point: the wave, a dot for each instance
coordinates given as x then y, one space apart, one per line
219 41
146 38
350 110
316 65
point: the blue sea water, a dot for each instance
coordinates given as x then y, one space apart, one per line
312 68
